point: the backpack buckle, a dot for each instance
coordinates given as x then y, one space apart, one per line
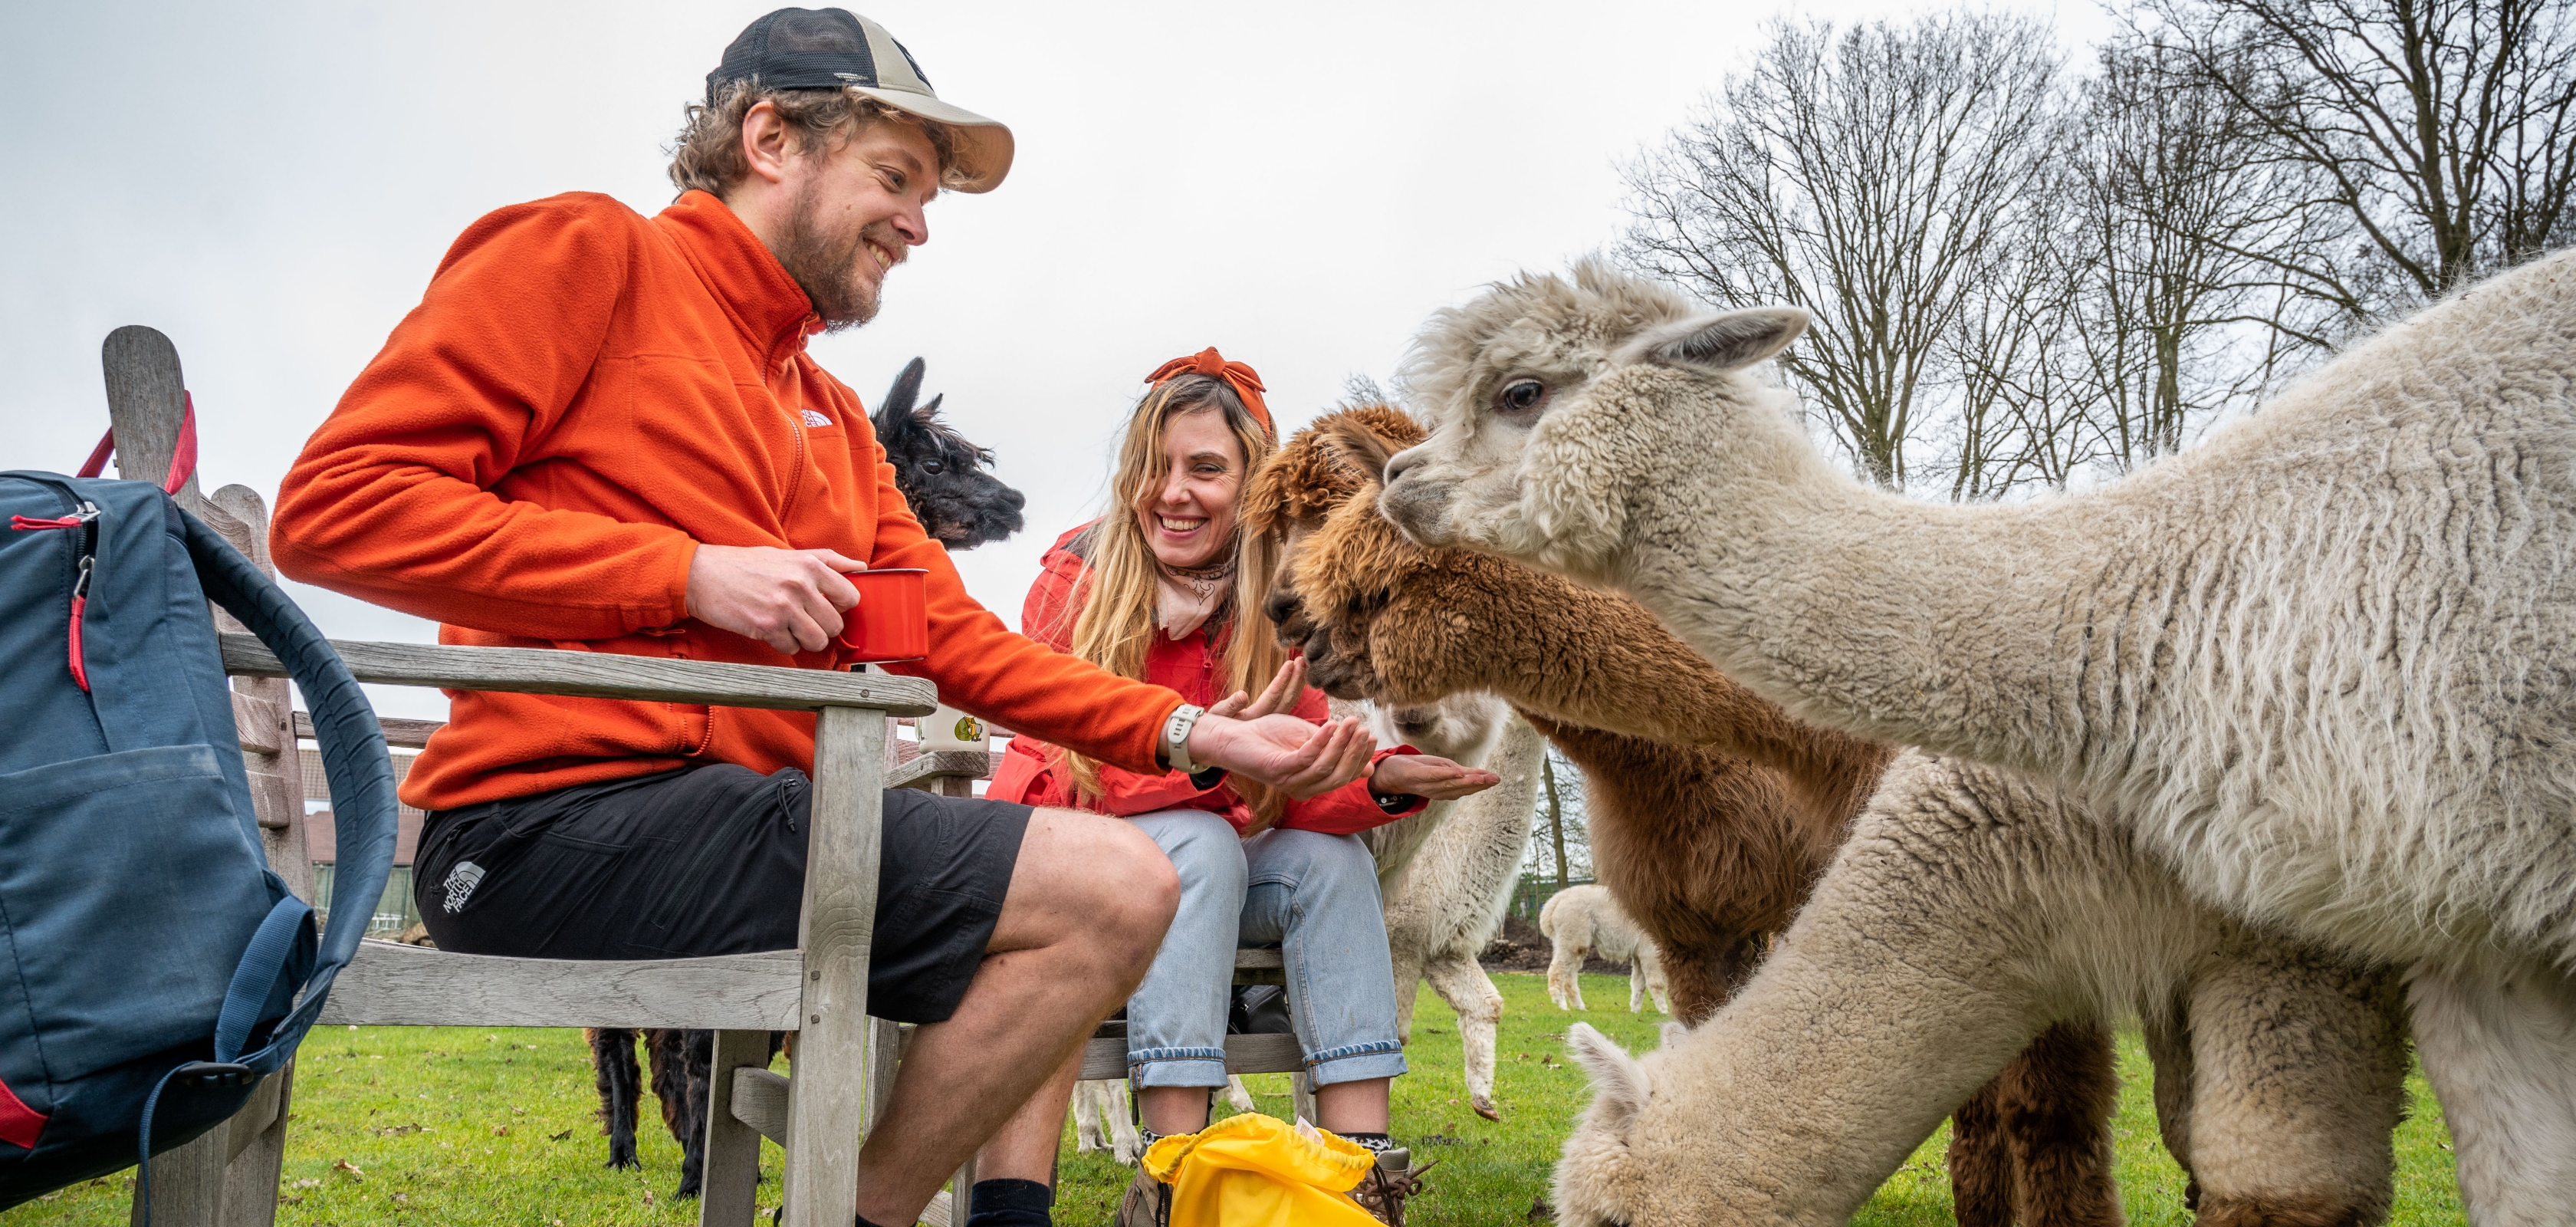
217 1073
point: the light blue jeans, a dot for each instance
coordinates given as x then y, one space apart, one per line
1314 896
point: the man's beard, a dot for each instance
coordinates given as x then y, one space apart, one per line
824 263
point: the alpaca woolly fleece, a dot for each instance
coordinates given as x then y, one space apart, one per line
2323 665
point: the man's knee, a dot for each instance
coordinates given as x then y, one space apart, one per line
1124 889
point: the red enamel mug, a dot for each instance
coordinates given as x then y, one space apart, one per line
892 618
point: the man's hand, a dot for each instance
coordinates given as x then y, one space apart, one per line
789 599
1282 694
1431 778
1297 758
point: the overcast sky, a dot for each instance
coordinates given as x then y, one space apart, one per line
1299 185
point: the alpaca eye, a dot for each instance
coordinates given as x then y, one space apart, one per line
1520 396
931 466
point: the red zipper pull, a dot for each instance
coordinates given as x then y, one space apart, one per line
87 513
80 602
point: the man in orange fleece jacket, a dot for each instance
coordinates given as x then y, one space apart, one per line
601 432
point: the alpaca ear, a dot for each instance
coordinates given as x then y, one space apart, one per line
930 411
1618 1081
1674 1033
896 412
1362 448
1719 342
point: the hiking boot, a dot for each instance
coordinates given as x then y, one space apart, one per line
1147 1203
1383 1191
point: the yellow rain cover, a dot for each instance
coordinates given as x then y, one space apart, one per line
1255 1171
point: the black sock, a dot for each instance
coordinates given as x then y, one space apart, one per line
1011 1203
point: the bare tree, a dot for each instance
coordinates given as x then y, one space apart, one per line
2439 129
1561 839
1869 175
2183 222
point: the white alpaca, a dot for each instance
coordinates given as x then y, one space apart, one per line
2322 665
1445 905
1582 921
1968 912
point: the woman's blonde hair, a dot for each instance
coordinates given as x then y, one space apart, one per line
1113 608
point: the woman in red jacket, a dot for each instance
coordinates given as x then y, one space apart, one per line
1166 589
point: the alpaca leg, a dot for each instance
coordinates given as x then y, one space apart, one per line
2168 1042
1650 965
612 1058
1981 1189
1089 1110
1237 1096
1563 983
698 1050
2055 1103
2499 1046
1406 955
1636 984
2298 1080
1125 1144
1462 982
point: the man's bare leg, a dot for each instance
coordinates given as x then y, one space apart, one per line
1025 1148
1089 900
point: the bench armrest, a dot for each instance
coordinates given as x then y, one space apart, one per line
604 675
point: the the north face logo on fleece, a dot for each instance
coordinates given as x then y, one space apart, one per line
815 419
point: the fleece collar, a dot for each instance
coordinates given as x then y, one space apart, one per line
766 304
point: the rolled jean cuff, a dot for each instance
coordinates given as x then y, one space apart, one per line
1355 1063
1202 1067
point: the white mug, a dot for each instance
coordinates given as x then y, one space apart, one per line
950 729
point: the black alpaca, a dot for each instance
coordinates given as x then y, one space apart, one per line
962 505
944 478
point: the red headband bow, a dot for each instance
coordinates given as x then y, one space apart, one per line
1246 384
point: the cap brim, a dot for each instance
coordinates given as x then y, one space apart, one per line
984 146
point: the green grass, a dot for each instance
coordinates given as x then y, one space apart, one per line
405 1126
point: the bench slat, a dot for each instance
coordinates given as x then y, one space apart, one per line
388 985
918 772
1244 1054
604 675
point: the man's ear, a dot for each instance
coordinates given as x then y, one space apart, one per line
765 142
1718 342
894 415
1618 1082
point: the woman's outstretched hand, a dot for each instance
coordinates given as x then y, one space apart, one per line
1297 758
1282 694
1429 777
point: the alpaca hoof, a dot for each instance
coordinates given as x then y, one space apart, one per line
620 1162
688 1190
1485 1108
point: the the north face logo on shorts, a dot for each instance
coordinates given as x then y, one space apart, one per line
815 419
460 885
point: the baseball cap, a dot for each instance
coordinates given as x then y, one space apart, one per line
838 49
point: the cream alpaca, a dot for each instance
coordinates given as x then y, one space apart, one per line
2279 1092
1445 906
2320 664
1582 921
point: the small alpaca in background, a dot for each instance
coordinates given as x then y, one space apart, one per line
1584 921
946 482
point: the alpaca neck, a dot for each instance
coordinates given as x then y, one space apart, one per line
1887 617
1635 679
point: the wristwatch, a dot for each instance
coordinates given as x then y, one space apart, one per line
1176 737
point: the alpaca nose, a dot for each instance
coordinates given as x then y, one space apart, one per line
1398 463
1281 606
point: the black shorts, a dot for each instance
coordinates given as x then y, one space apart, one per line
711 860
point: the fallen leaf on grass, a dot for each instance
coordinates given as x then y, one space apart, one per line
557 1137
355 1172
500 1131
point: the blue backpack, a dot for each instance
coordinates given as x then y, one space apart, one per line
152 969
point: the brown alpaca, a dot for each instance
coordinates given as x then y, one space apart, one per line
1712 810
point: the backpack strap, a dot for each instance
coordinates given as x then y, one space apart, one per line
183 460
363 807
